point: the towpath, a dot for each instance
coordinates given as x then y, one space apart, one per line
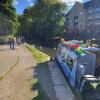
19 82
7 58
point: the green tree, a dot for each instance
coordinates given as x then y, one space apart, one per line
43 21
7 9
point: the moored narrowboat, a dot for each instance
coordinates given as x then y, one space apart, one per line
78 62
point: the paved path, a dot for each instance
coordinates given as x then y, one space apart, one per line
7 58
63 91
17 83
44 76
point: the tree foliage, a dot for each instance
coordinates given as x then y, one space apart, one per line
8 10
43 21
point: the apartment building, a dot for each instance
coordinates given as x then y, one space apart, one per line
84 19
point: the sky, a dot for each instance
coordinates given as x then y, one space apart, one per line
20 5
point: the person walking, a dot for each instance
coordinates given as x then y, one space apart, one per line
12 43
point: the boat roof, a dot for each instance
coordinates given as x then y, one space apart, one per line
92 49
74 42
72 52
80 51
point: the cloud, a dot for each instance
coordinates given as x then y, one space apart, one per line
31 4
15 2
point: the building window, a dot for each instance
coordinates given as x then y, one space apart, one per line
81 13
81 27
89 23
71 22
67 21
88 31
76 20
97 9
90 18
90 11
76 26
97 31
97 23
97 16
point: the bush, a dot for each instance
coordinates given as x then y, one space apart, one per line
3 40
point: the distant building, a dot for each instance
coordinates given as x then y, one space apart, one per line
84 19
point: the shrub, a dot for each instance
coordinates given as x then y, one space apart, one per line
3 40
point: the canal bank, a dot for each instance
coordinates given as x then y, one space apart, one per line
44 84
60 87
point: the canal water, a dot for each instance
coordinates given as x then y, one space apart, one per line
49 51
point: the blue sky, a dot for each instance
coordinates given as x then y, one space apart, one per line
22 4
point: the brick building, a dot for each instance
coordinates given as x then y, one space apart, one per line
84 19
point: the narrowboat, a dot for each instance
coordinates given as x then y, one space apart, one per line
78 62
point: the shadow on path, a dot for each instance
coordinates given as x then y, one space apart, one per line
42 83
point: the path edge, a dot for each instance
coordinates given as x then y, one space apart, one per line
10 67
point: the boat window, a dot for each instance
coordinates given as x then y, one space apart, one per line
59 51
69 62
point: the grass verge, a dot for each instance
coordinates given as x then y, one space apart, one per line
39 93
40 57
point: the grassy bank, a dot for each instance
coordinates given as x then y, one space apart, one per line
39 93
40 57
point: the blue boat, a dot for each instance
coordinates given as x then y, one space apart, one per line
77 63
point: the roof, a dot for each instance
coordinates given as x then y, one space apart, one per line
88 4
92 3
73 7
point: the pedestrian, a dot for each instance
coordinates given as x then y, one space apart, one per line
18 40
12 43
22 40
